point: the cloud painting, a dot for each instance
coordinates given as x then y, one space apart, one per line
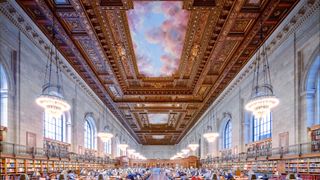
158 118
158 30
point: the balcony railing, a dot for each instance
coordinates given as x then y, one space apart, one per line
9 149
299 150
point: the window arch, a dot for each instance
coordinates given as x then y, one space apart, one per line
3 97
90 140
312 91
262 127
108 146
227 135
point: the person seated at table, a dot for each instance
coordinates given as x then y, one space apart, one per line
265 177
23 177
253 176
214 177
229 176
71 175
100 177
291 176
207 175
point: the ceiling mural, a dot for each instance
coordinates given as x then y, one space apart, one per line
158 65
158 29
158 118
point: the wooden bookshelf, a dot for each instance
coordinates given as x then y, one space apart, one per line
13 167
315 138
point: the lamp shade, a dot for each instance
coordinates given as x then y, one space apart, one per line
105 136
193 147
53 104
210 136
123 147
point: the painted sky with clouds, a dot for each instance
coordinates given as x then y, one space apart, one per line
158 118
158 30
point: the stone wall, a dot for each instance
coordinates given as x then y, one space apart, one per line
291 50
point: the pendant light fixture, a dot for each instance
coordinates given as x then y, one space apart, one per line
51 98
210 135
185 151
106 135
131 151
262 98
193 145
123 145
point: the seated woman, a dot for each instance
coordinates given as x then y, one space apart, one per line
253 176
214 177
23 177
100 177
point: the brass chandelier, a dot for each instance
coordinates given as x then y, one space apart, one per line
51 98
262 98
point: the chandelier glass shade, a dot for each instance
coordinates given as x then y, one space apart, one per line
123 147
262 98
193 147
261 105
185 151
210 136
53 105
173 157
131 151
51 98
179 154
105 136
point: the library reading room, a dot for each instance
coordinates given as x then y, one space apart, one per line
159 89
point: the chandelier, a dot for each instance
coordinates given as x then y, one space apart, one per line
105 135
51 98
179 154
210 136
123 147
193 147
131 151
262 99
185 151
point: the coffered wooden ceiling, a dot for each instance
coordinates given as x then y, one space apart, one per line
221 36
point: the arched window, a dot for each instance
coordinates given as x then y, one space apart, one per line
3 97
262 127
312 92
89 134
108 146
55 128
318 98
227 136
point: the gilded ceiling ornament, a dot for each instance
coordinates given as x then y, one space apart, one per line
121 50
195 50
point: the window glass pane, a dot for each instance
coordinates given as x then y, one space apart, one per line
227 136
89 135
262 127
108 147
53 128
3 98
